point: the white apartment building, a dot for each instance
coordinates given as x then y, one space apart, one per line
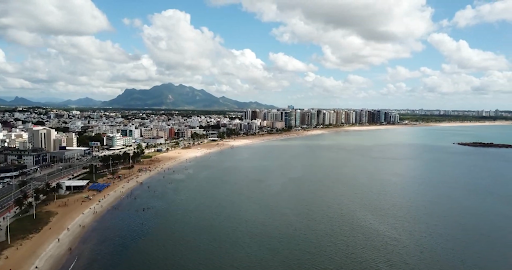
41 137
147 133
116 140
71 139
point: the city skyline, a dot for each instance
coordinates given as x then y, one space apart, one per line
416 54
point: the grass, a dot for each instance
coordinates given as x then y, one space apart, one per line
151 155
26 226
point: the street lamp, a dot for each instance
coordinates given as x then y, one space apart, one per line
9 215
33 198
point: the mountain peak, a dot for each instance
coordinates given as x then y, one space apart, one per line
160 96
177 97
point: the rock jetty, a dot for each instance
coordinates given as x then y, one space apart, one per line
485 145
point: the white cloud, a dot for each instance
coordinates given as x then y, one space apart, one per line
400 73
352 85
25 21
288 63
463 57
491 83
177 52
484 12
4 65
177 45
395 89
137 23
351 34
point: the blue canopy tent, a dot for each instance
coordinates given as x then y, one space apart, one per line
98 187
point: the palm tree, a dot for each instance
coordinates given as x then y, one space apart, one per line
22 183
29 205
58 186
47 186
19 202
37 197
55 189
24 196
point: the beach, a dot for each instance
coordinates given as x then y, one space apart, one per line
49 248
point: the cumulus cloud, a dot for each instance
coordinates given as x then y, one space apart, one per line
483 12
24 22
175 44
352 85
288 63
351 34
452 83
178 52
463 57
395 89
133 22
400 73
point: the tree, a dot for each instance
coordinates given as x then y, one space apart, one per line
19 202
22 183
58 186
47 188
24 196
29 205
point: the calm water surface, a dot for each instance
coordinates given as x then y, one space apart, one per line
387 199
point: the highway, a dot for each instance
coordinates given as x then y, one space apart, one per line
68 169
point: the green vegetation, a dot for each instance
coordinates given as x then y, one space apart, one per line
152 154
449 118
183 97
84 140
26 226
122 159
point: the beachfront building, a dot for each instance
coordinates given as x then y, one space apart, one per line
30 157
154 140
41 137
116 140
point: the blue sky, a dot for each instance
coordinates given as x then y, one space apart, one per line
342 54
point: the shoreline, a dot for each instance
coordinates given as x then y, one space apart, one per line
51 254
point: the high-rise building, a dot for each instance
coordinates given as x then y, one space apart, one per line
41 137
71 140
254 115
291 119
247 114
313 119
298 118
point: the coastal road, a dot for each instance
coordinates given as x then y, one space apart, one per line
7 195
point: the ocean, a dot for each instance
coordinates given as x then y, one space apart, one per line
403 198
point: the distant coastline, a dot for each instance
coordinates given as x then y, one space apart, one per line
49 254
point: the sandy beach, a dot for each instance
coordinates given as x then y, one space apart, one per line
50 247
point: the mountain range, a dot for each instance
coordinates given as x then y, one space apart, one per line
168 96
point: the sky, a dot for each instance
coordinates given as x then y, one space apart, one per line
312 54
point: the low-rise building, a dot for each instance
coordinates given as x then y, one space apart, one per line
30 157
154 140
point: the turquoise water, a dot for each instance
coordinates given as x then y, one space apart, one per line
385 199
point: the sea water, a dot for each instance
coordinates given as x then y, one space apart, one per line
403 198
